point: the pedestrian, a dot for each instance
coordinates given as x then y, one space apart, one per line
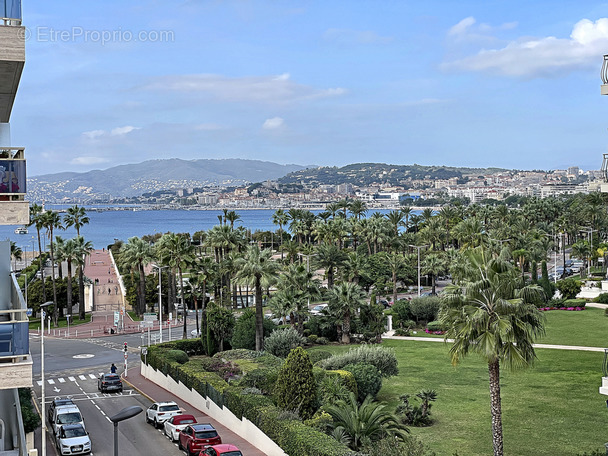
109 291
109 271
113 368
116 290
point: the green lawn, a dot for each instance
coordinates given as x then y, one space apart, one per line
588 327
554 408
62 323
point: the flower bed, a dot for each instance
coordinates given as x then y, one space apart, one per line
438 333
561 308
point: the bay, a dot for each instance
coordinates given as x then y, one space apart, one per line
107 225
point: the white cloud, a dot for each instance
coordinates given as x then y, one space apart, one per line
273 124
120 131
87 160
93 134
263 89
348 36
462 27
548 56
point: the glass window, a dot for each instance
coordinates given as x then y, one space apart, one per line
169 408
12 9
206 434
12 176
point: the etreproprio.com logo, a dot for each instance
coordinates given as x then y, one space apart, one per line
81 34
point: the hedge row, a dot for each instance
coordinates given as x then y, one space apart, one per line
293 436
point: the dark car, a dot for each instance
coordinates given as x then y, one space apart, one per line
196 437
57 402
109 382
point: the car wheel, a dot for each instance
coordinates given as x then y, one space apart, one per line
148 419
179 445
156 423
190 453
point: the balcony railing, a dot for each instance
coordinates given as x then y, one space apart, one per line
11 12
14 328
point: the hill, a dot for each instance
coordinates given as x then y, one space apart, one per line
153 175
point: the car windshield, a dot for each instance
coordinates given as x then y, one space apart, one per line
75 432
111 377
168 408
66 418
205 434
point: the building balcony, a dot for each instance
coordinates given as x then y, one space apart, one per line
15 359
14 210
12 55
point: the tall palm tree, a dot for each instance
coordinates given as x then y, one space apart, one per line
83 249
368 422
329 257
66 251
357 208
52 221
344 300
280 218
256 265
16 253
491 316
36 212
136 253
298 284
177 251
433 265
76 216
232 217
395 261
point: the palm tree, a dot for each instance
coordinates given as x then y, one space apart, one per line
490 316
298 284
83 249
36 213
16 253
344 300
368 422
52 221
395 261
232 217
177 251
433 265
280 218
76 216
136 253
66 251
357 208
329 257
253 267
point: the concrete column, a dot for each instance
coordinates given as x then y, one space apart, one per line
5 134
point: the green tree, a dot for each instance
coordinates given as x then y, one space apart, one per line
52 221
36 219
135 254
489 315
296 388
252 268
344 300
76 216
220 322
569 288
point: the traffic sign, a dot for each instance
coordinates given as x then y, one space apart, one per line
29 311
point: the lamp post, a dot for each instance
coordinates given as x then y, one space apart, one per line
160 301
589 231
418 247
43 315
124 414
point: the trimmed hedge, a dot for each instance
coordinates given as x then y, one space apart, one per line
575 303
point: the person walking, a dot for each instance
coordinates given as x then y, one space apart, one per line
113 368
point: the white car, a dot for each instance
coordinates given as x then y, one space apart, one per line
318 309
73 439
175 424
159 412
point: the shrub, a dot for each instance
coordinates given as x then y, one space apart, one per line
318 355
244 330
401 312
368 378
31 419
261 379
240 353
295 388
383 359
312 338
602 298
425 309
435 326
280 343
332 390
569 288
346 378
575 303
404 332
322 341
179 356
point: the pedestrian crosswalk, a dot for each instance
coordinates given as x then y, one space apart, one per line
71 378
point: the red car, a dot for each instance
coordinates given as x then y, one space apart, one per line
196 437
221 450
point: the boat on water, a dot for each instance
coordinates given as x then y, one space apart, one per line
21 230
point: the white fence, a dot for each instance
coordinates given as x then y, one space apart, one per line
244 428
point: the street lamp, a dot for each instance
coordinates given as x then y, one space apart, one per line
589 231
124 414
42 316
418 247
160 301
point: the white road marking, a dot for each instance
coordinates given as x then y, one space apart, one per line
62 380
92 376
82 377
39 382
51 381
72 379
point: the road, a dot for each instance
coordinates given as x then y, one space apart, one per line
71 369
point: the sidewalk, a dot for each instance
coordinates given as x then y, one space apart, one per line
157 394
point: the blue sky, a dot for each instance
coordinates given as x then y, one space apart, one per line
475 83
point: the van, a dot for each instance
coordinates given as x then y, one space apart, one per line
66 414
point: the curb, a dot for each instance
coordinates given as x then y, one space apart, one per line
137 389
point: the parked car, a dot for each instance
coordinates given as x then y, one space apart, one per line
159 412
175 424
66 414
109 382
73 439
384 303
225 449
57 402
196 437
318 309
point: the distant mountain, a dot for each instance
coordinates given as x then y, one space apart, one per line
154 175
363 174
